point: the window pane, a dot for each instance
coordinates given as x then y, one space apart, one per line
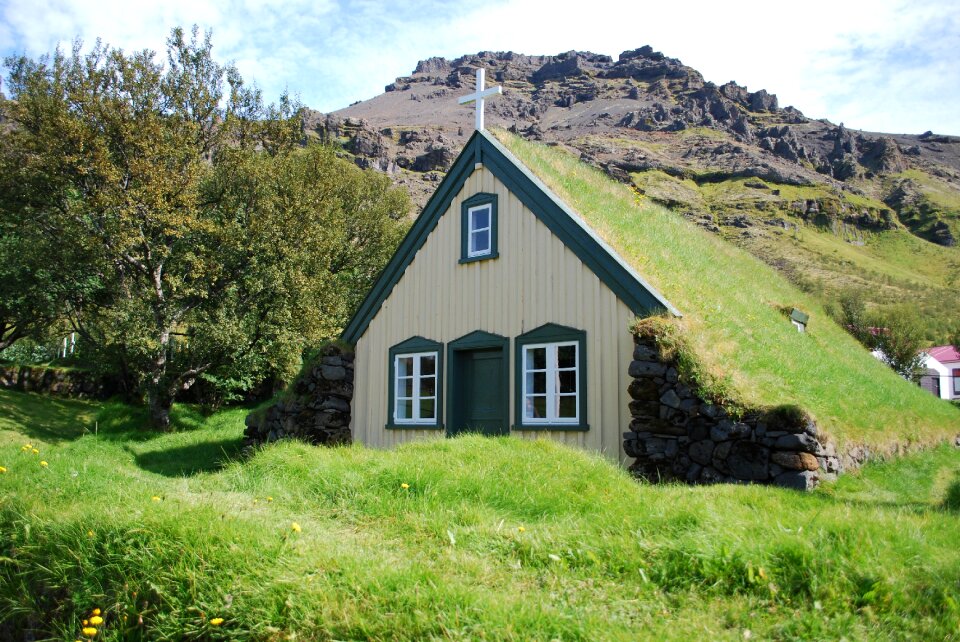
536 382
536 359
567 357
539 404
428 386
427 408
405 387
480 242
404 408
428 365
568 407
405 366
568 380
481 218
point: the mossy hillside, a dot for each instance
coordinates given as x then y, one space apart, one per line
887 267
932 200
454 539
732 305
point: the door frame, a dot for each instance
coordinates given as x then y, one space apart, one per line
476 340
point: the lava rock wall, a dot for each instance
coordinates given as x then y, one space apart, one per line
677 434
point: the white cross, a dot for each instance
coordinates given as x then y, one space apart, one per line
479 96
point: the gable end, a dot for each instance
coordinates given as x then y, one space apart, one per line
626 284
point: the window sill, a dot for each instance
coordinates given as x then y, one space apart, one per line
552 427
483 257
393 426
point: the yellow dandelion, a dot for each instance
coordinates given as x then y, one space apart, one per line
89 631
155 498
256 501
27 446
96 620
295 527
217 621
35 451
520 529
404 486
44 464
3 469
96 611
89 533
86 622
269 499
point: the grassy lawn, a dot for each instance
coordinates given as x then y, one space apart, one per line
469 538
733 315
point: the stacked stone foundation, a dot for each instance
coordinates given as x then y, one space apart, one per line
676 433
316 409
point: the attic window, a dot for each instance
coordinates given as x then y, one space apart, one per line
478 228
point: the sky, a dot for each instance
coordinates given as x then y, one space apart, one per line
881 65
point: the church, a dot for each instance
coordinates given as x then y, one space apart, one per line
501 312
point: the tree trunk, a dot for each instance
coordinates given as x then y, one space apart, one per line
159 403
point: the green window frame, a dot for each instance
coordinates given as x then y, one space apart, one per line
418 352
556 376
478 222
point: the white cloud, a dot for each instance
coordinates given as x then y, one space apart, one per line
887 65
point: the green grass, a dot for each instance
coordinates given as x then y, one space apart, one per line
732 304
493 539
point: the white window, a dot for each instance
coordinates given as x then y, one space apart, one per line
551 383
479 230
415 388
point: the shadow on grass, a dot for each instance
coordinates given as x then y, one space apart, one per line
183 461
52 419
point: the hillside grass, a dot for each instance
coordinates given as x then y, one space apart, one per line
490 539
732 304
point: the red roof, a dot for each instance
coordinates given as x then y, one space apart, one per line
943 353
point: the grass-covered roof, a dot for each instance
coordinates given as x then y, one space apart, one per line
732 305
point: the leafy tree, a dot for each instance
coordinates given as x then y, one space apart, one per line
900 338
196 238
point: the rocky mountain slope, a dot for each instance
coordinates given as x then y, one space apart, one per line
832 207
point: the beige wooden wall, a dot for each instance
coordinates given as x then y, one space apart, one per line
535 280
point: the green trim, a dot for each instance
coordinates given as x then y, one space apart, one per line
414 344
476 340
480 198
596 254
551 333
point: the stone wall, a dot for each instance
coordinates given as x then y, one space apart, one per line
676 433
55 381
315 408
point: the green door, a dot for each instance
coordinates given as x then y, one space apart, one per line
480 403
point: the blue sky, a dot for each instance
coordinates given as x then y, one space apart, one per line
884 65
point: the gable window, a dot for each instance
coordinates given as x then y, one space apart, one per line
478 228
415 376
551 379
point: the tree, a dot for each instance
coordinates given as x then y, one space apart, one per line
198 238
900 338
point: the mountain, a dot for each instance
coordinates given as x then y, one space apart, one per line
835 209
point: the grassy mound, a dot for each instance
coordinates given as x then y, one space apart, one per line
732 305
466 538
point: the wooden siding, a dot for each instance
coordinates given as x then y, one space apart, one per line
535 280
